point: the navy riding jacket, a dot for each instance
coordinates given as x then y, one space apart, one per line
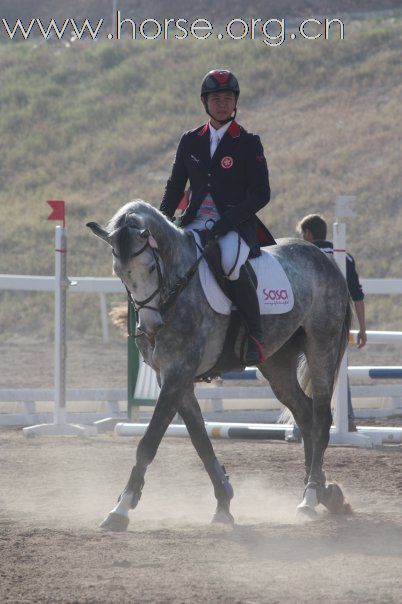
236 177
352 278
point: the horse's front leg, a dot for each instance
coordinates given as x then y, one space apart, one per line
165 409
191 413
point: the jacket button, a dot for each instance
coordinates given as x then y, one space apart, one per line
209 173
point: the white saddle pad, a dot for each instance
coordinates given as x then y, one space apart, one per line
274 291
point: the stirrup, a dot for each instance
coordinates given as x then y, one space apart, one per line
255 353
261 355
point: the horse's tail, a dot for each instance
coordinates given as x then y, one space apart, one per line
303 371
303 376
304 379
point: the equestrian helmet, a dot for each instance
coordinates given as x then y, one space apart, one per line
219 80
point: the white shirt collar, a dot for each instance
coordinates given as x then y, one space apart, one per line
219 133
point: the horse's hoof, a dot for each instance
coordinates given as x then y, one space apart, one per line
222 516
306 512
332 498
114 522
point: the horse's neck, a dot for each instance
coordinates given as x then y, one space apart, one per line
176 250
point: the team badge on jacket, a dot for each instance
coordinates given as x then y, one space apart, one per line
227 162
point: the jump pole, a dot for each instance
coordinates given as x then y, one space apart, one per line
59 427
216 430
248 431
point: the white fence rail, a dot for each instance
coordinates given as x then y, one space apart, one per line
105 285
112 285
77 285
27 399
20 407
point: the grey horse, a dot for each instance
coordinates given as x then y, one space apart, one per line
181 337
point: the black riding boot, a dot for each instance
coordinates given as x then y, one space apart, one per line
245 297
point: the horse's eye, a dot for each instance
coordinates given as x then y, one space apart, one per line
152 268
114 253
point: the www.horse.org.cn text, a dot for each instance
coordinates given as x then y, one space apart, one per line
271 32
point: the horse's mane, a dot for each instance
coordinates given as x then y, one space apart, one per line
173 243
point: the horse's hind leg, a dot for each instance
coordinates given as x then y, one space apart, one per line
322 361
191 414
281 371
165 409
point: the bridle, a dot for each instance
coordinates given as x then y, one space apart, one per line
167 302
140 304
171 298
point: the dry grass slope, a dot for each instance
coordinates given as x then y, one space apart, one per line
98 124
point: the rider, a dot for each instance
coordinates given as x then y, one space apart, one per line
229 183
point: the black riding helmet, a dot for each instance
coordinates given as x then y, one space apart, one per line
219 80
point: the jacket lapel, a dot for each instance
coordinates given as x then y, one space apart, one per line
204 147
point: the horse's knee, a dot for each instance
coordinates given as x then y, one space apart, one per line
146 451
322 420
322 414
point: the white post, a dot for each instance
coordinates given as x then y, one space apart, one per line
104 320
341 434
60 307
59 427
341 397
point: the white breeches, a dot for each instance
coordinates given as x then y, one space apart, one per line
229 245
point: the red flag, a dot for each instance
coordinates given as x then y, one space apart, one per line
58 212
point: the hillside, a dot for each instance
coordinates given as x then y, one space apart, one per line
97 124
218 11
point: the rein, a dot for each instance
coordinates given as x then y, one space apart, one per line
181 284
172 296
140 304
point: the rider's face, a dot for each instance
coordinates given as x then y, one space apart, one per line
221 105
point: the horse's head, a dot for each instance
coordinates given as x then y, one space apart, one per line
136 261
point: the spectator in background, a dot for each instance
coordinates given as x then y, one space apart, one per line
313 228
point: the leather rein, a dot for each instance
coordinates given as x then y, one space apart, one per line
171 298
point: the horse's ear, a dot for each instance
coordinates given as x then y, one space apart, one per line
145 234
99 231
152 242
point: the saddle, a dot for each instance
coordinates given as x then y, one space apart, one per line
234 346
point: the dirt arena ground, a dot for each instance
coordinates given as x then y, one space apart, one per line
54 492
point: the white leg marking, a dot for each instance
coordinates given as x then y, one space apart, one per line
123 506
310 499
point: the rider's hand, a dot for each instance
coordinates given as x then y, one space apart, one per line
361 338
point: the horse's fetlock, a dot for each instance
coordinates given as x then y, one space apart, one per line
311 485
223 481
134 487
